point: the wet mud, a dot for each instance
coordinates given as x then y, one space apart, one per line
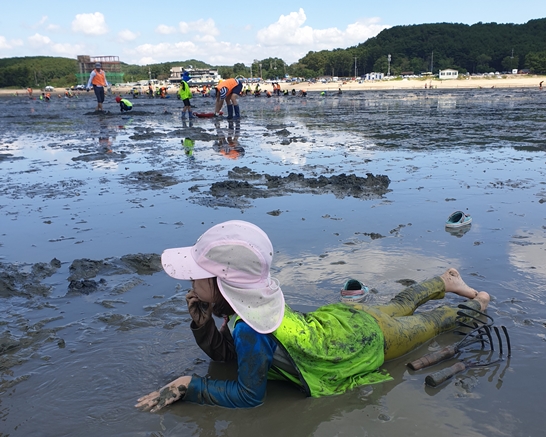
358 186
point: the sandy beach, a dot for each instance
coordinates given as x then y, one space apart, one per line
510 81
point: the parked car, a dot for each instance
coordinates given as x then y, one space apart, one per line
79 87
49 88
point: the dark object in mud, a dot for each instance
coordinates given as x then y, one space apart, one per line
406 282
85 286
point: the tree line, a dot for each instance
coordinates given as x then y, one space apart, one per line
477 48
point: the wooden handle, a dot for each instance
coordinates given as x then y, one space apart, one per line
433 358
435 379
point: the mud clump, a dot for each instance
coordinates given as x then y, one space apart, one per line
151 179
147 134
143 263
90 157
243 182
20 280
85 286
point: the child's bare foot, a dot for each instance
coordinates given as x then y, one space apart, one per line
455 284
483 298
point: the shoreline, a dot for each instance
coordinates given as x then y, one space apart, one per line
527 81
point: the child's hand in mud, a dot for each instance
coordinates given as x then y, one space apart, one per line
200 312
172 392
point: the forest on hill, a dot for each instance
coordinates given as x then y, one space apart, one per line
477 48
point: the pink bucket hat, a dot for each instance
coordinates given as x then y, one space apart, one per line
239 255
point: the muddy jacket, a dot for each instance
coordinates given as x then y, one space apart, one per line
325 352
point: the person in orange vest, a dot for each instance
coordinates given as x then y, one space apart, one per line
97 79
228 90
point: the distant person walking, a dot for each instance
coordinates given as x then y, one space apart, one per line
540 85
97 79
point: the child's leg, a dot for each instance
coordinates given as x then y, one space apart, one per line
403 334
408 300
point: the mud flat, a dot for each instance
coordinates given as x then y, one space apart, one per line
352 186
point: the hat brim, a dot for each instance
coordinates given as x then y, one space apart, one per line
179 264
262 308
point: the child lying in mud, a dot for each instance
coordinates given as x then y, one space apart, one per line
328 351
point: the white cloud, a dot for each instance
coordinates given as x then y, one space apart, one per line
126 35
67 50
37 41
90 24
53 27
165 30
204 39
289 31
364 29
152 53
42 20
200 27
6 44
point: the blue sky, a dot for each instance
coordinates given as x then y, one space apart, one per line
222 34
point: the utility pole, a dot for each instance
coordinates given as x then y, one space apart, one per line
389 68
432 62
355 66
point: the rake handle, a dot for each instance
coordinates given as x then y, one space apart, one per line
434 357
435 379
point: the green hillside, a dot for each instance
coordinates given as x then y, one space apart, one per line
479 48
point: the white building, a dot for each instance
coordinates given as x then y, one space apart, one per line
199 76
374 76
448 74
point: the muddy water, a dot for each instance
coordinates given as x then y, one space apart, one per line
357 185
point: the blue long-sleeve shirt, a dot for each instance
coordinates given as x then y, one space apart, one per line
254 353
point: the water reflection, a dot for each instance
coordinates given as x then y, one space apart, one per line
527 252
227 143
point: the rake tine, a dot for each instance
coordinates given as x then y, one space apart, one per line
481 313
507 340
481 322
480 338
497 333
488 332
